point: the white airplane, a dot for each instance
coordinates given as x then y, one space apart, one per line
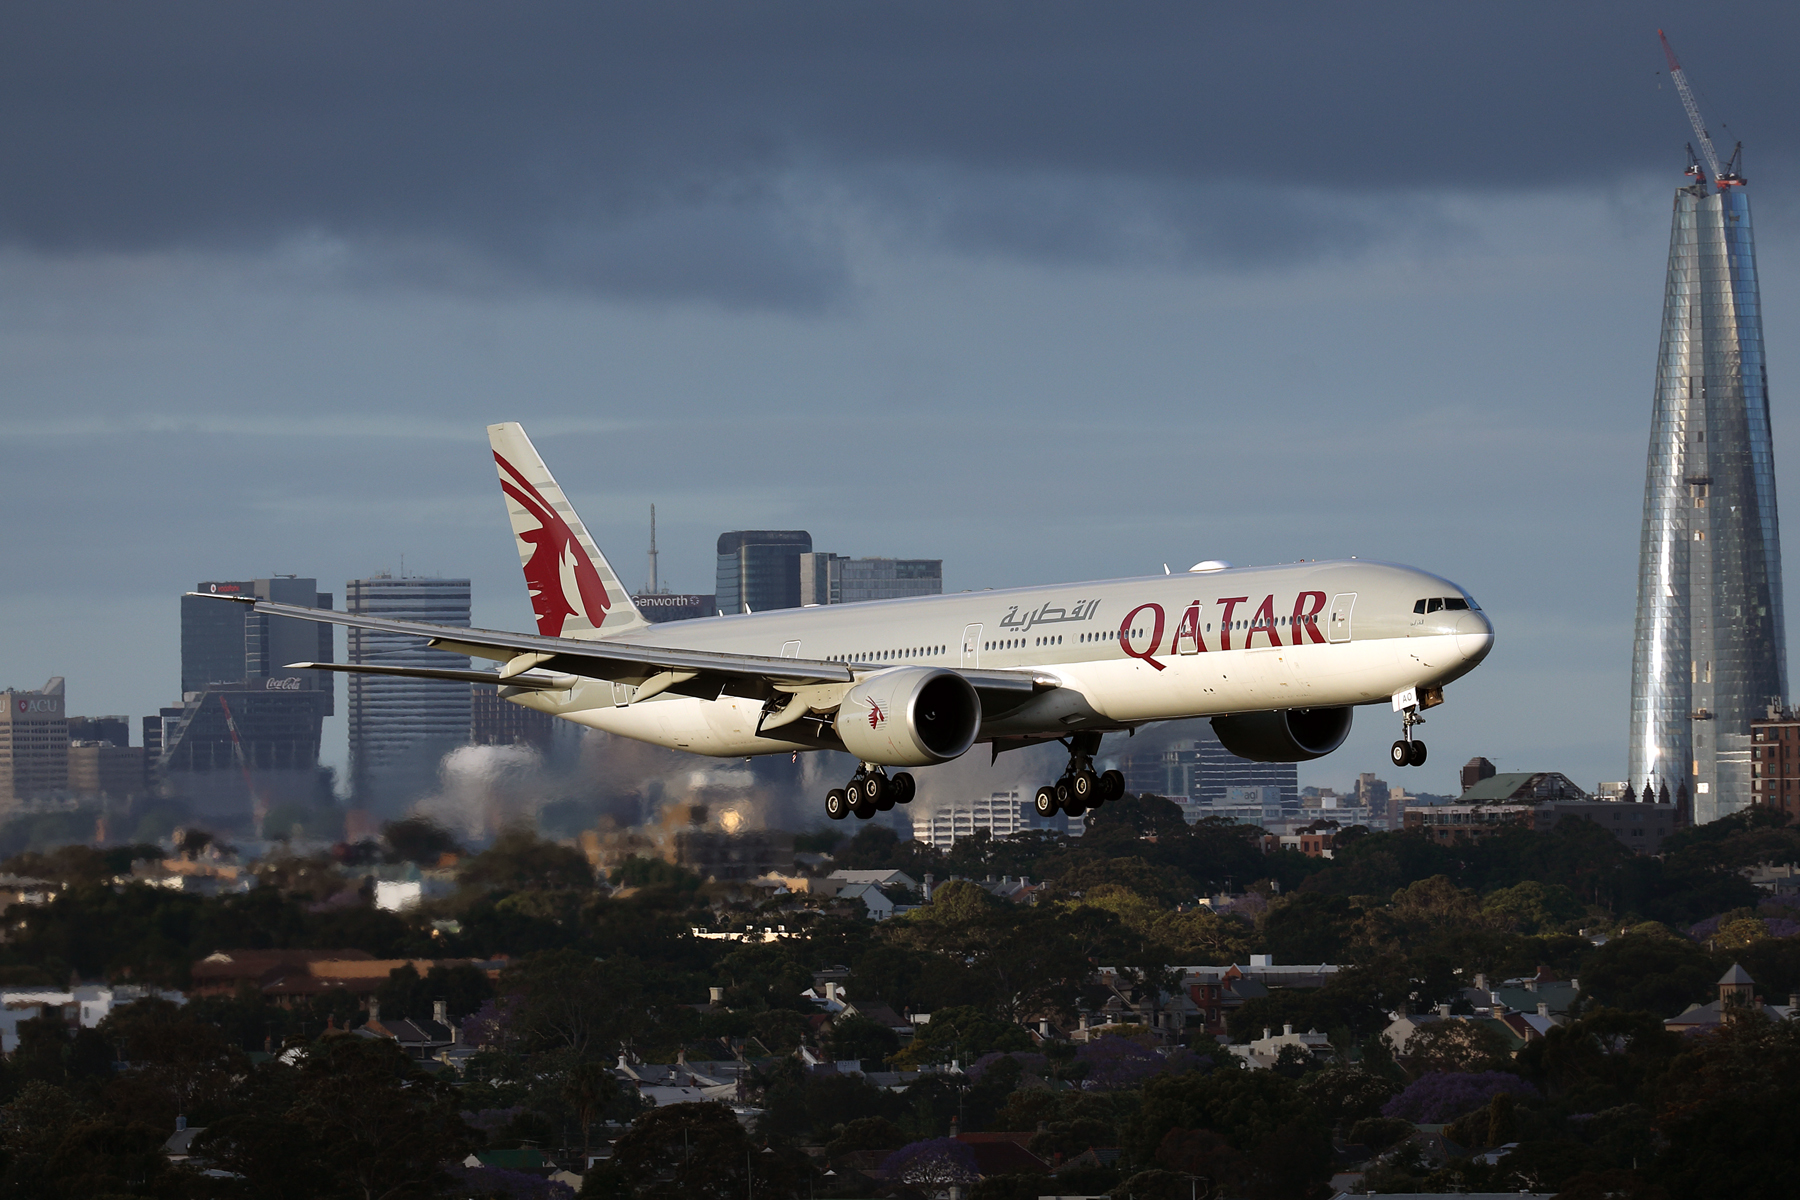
1276 656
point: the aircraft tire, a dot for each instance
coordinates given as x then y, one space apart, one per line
885 801
875 786
1075 808
1400 754
1112 787
1045 803
1417 758
905 788
1084 786
837 806
866 809
1064 793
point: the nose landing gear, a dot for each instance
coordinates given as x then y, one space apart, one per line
1408 752
869 791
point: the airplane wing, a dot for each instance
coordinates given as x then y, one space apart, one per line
540 662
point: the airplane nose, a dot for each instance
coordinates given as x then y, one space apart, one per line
1474 636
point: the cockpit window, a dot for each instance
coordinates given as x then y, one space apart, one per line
1445 604
1455 603
1435 604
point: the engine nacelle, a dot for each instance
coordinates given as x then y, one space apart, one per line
1290 735
909 717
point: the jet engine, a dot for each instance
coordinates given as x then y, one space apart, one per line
909 717
1290 735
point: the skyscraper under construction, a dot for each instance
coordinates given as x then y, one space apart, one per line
1710 649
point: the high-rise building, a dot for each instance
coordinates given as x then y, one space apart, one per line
1200 772
1476 770
759 569
247 730
1710 651
400 728
34 744
1001 814
496 721
836 579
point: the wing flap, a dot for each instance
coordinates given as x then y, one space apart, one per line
530 681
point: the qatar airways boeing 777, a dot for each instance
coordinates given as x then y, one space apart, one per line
1276 656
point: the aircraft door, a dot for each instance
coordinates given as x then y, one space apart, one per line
971 647
790 649
1339 625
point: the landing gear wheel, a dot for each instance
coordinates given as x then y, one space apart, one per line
1045 803
1417 758
1065 793
904 788
1112 787
875 786
864 810
837 805
1083 785
1401 754
885 800
1075 808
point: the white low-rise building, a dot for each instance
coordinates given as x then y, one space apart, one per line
87 1006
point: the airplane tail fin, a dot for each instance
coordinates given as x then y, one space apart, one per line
574 591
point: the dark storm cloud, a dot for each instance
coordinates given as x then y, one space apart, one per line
685 149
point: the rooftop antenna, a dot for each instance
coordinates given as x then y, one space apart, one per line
1693 111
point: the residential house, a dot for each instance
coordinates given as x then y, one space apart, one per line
421 1040
1737 993
1265 1052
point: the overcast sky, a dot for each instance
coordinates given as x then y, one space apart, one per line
1051 291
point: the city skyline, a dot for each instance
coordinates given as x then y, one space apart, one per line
1038 347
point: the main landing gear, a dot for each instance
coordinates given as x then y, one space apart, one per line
869 791
1406 752
1080 788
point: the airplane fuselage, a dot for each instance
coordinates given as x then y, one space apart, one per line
1122 652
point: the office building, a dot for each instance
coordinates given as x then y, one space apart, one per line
1710 650
1775 761
1200 771
837 579
105 770
34 744
659 607
759 569
495 721
247 730
1539 802
401 728
1000 814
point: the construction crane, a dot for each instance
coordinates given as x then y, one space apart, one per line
1726 177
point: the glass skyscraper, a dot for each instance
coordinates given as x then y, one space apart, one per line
401 728
1711 648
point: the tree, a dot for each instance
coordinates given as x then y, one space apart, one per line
860 1038
419 840
962 1034
570 1001
1286 1146
683 1150
589 1087
1451 1045
356 1117
1444 1095
1655 974
519 859
933 1166
1729 1105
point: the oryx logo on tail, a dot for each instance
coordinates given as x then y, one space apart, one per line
556 560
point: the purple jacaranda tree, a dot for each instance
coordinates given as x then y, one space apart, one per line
1116 1063
493 1025
1445 1095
